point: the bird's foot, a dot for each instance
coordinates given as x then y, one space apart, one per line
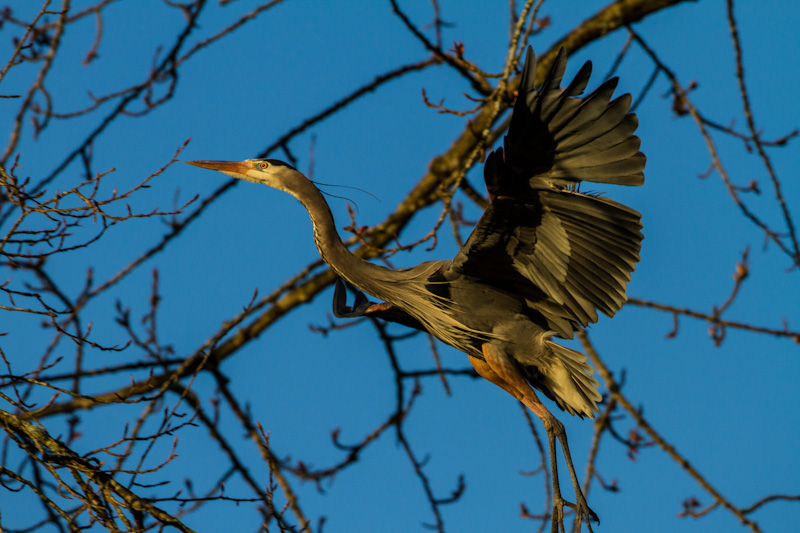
340 307
557 518
582 511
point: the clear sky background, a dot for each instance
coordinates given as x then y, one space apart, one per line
733 410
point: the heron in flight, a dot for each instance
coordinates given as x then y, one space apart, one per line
541 262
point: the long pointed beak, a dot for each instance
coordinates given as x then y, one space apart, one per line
238 167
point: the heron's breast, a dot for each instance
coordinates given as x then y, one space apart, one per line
470 314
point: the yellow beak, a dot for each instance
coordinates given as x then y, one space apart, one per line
239 167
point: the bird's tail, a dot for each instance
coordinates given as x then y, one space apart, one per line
568 380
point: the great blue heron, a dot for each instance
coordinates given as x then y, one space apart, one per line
543 259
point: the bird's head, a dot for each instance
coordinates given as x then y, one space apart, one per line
272 172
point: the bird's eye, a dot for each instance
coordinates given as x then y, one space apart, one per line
264 165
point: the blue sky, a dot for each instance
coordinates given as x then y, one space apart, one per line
733 411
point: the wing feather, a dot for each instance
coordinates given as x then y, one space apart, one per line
568 254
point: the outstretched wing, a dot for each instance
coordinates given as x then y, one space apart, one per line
568 254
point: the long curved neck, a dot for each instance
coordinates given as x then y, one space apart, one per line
363 274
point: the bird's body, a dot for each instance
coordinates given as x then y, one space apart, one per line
543 259
471 313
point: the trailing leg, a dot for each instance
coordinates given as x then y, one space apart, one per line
502 370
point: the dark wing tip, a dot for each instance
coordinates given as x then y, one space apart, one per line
557 137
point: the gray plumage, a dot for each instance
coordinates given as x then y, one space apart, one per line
542 261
